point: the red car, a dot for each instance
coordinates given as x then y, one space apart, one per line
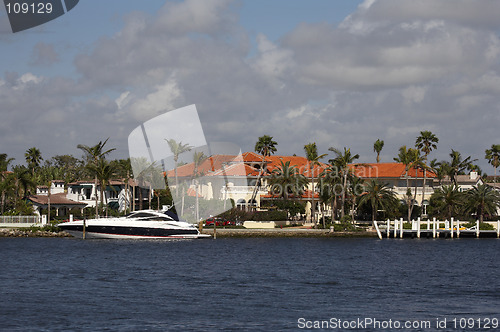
210 221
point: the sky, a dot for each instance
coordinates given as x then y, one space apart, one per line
338 73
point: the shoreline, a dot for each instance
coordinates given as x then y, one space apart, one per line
283 232
220 233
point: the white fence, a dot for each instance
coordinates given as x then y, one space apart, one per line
20 221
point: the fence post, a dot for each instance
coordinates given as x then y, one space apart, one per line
477 228
498 228
434 227
401 230
418 227
451 222
388 227
458 229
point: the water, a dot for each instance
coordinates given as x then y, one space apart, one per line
62 284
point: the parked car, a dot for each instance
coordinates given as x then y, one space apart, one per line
210 221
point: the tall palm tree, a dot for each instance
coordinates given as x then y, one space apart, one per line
342 161
5 179
355 190
457 165
378 195
482 199
313 158
198 158
438 169
266 147
426 142
493 156
447 200
177 148
33 158
377 147
93 154
286 180
411 158
330 187
104 171
22 179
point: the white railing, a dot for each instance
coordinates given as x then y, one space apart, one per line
20 220
242 189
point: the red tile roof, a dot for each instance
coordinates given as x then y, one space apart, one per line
387 170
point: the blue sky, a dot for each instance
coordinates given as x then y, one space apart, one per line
338 73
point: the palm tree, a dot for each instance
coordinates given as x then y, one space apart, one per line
355 190
378 195
447 200
411 158
104 171
266 147
438 169
426 142
6 185
330 187
457 165
22 179
285 180
93 154
377 147
482 199
493 157
342 161
198 158
33 158
313 158
177 148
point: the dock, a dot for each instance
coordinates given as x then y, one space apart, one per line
431 230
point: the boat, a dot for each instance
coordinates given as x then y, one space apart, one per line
142 224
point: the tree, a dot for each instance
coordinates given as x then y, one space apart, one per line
33 158
493 156
313 158
93 154
457 165
104 171
198 158
377 147
330 187
411 158
378 195
482 199
286 180
447 200
5 179
266 147
177 148
342 161
426 142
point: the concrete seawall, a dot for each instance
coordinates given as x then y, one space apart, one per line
283 232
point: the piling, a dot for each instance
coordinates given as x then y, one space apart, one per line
418 227
401 228
498 228
388 228
477 228
451 229
434 227
458 229
83 228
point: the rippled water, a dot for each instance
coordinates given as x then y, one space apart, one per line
62 284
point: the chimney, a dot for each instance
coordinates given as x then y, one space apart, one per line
473 175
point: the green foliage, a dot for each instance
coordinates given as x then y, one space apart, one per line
293 207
